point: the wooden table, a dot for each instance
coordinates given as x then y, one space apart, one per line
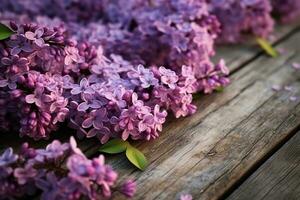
243 143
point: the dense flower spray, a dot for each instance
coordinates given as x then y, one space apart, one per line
117 76
60 171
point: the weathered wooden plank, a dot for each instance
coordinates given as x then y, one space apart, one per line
207 153
278 178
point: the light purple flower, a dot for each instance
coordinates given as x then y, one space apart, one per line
96 119
186 197
36 37
7 157
72 56
38 97
83 86
89 101
53 151
145 77
168 77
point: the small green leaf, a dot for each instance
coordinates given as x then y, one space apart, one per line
114 146
267 47
220 89
136 157
5 32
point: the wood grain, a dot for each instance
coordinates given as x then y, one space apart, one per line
278 178
207 153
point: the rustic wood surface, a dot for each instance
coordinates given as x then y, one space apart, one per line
278 178
232 133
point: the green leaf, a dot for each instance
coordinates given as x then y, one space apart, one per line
114 146
136 157
267 47
220 89
5 32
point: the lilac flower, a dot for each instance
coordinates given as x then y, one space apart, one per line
17 64
73 177
287 10
168 77
72 56
145 76
128 188
24 175
82 87
159 117
53 151
96 119
36 37
116 96
238 17
186 197
296 66
89 101
7 157
38 97
18 45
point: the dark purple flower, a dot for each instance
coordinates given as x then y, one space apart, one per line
19 44
17 64
24 175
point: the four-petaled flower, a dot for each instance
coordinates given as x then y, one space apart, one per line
36 37
168 77
72 56
19 44
89 101
83 86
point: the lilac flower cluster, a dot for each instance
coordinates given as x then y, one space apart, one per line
112 77
31 84
60 171
241 17
286 10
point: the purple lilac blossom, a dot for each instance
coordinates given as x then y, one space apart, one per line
117 76
239 18
286 10
60 171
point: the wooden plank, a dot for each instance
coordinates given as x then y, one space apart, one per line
278 178
206 154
